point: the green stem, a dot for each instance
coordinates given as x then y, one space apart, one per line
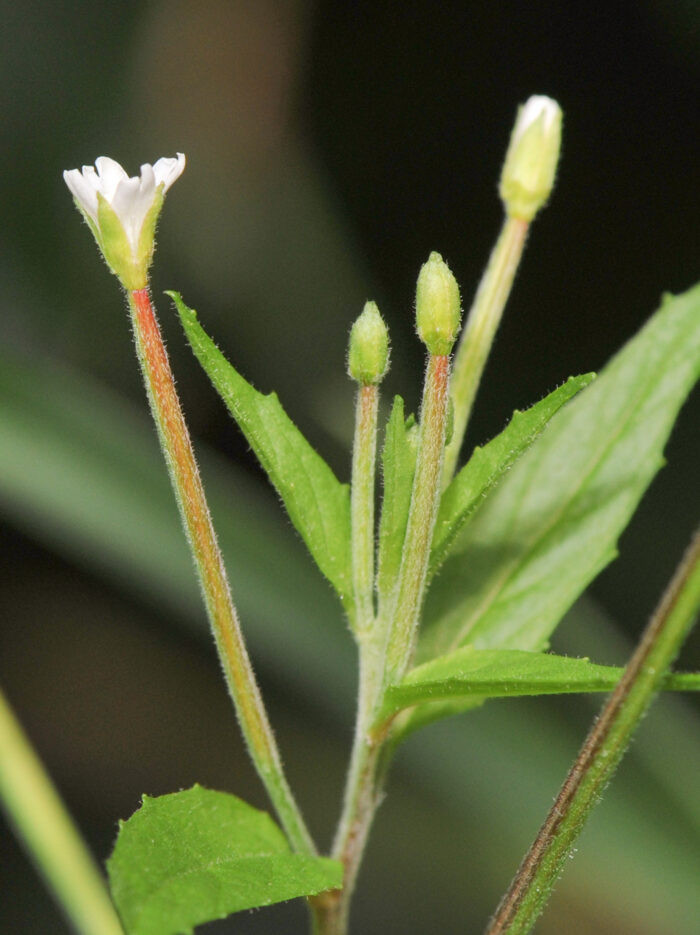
52 840
425 497
602 750
362 504
480 330
385 656
189 492
331 910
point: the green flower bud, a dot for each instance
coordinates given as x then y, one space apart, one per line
368 352
438 311
531 161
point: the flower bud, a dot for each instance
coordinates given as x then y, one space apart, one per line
531 161
122 212
438 311
368 352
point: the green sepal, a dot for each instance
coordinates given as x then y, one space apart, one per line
194 856
487 466
116 249
317 503
147 238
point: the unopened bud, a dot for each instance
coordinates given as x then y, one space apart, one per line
531 161
368 353
438 311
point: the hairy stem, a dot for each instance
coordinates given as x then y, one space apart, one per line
331 910
425 498
362 505
480 330
189 492
385 652
602 750
52 840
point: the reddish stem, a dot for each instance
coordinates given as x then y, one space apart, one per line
187 484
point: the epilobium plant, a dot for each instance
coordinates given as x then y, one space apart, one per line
451 593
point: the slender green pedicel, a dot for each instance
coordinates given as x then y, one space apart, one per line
368 358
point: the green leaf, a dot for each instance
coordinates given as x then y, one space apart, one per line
398 468
553 522
194 856
317 503
488 464
470 674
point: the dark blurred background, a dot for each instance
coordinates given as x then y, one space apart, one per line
330 147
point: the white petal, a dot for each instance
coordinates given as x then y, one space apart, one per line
110 174
168 169
92 177
141 204
148 180
125 205
82 190
535 107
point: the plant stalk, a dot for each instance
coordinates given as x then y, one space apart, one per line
362 505
330 910
425 498
361 798
478 334
602 750
194 511
384 655
385 651
51 839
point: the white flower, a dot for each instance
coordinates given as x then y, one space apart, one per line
122 211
